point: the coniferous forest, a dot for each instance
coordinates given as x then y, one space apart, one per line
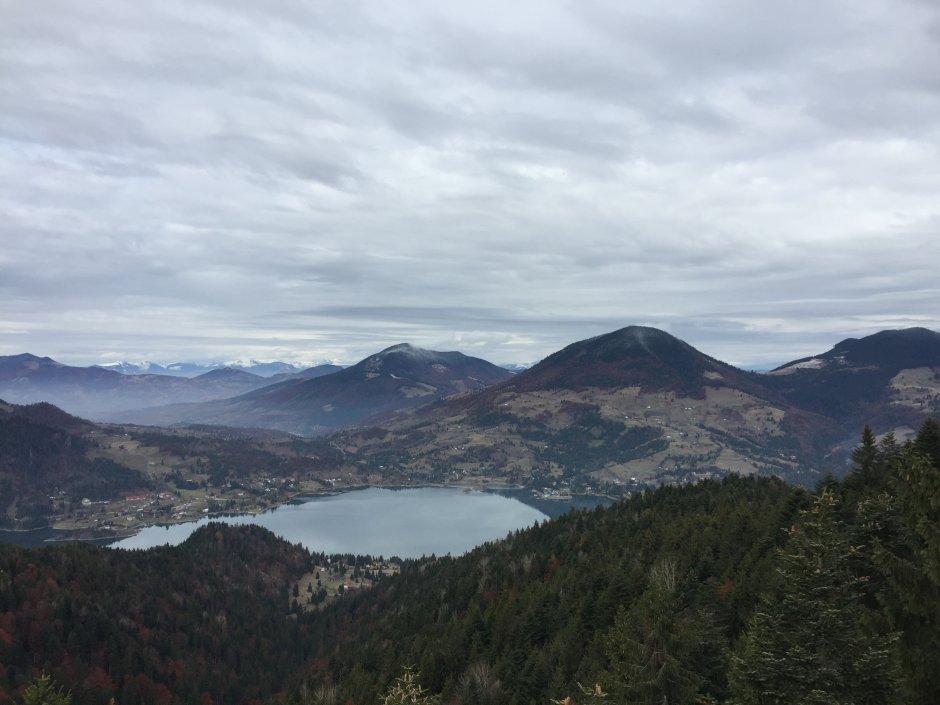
745 590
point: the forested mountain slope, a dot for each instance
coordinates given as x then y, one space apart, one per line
746 590
209 621
45 462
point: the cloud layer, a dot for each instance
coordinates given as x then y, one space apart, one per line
313 181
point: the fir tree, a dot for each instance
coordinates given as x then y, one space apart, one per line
906 529
865 456
655 648
927 442
808 641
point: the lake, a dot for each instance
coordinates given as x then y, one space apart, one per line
406 523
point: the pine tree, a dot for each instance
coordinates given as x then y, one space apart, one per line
808 641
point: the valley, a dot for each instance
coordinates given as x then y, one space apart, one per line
469 353
611 415
725 480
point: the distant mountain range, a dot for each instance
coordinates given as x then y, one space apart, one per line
194 369
516 366
97 393
399 377
630 407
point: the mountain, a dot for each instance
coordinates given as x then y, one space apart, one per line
308 373
194 369
888 380
205 617
892 350
134 368
636 356
97 393
630 407
618 411
398 377
265 369
639 406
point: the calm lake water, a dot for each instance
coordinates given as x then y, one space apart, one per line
407 523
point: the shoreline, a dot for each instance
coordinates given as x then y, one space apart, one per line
85 534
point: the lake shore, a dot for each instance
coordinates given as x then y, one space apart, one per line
129 517
404 522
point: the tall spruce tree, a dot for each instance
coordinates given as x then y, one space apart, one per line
808 641
905 525
657 648
865 456
927 442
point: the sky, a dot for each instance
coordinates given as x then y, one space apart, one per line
311 181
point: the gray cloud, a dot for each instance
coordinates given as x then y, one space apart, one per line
304 181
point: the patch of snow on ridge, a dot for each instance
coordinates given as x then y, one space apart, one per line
814 364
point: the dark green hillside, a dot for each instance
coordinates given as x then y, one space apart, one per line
204 622
44 454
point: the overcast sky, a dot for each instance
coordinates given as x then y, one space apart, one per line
310 181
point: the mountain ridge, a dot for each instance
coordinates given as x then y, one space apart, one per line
635 404
194 369
94 392
639 405
397 377
897 349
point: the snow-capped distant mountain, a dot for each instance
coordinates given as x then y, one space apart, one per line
265 369
134 368
194 369
517 366
101 393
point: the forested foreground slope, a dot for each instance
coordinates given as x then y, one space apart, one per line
746 590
